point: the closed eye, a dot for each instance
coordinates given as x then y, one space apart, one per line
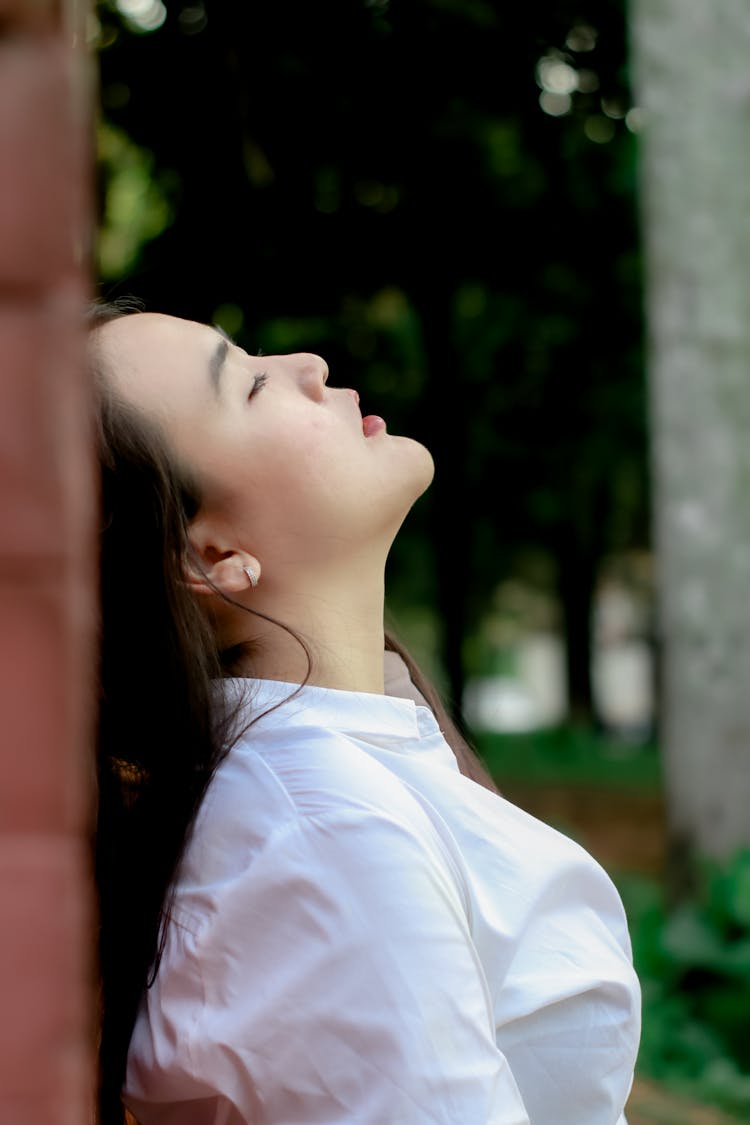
258 381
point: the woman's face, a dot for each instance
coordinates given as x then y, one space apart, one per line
283 459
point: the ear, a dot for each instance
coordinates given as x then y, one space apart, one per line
215 565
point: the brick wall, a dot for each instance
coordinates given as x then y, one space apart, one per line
46 570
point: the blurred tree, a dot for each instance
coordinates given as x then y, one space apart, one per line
694 87
439 194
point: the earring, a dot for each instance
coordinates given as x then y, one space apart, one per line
253 577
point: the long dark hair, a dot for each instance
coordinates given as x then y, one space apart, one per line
163 728
160 732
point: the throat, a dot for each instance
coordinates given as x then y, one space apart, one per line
327 642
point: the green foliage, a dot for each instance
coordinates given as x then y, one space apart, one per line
694 965
568 755
458 240
136 206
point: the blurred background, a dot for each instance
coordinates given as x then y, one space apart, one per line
447 199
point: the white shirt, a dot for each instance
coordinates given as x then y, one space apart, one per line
363 935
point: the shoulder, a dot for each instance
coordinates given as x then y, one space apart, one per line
359 864
278 790
321 770
307 769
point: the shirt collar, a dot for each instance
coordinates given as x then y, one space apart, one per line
352 712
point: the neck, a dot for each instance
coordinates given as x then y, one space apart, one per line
340 621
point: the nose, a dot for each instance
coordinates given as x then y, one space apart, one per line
312 371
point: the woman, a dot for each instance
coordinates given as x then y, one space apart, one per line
334 921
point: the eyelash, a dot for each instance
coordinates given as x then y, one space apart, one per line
259 381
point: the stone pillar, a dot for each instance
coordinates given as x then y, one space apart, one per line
47 571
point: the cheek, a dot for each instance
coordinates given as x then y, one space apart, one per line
300 481
312 476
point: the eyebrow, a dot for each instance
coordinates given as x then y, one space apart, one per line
216 362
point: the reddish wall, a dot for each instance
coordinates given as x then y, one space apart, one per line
46 571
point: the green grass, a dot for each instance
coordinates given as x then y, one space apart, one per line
568 756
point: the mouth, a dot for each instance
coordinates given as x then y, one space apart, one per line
372 424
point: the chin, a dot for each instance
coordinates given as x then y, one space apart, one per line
429 471
422 469
409 480
427 465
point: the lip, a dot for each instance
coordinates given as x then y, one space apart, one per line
372 424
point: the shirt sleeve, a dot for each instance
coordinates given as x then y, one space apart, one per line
335 982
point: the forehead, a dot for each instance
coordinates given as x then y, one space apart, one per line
157 361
